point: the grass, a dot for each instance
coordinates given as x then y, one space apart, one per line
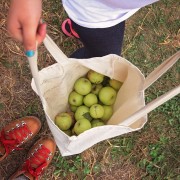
76 166
151 36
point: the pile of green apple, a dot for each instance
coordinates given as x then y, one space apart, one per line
90 103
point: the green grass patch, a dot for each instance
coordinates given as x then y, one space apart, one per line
75 166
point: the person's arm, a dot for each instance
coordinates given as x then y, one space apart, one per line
23 23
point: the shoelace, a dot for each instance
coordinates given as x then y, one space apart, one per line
39 158
13 138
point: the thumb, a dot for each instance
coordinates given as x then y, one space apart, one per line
29 40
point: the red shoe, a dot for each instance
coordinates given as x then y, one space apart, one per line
39 157
17 133
67 24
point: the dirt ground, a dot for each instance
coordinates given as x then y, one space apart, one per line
17 99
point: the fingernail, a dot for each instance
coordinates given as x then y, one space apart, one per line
30 53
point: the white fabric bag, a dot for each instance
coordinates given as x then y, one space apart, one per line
54 83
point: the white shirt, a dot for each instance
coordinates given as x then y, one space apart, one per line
102 13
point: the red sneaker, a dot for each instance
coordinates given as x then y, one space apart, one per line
39 157
68 30
17 133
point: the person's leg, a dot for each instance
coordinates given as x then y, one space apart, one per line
99 41
81 53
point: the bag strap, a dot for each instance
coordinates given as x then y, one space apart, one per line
151 106
54 50
35 74
58 55
161 69
152 77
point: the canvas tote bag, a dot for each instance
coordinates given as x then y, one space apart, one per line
53 84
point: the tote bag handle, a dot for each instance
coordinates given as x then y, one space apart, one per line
35 74
55 51
161 69
57 54
151 78
151 106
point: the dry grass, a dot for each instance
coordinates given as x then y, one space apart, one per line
17 98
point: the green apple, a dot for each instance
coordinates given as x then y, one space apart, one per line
63 121
68 132
96 111
73 108
90 99
97 122
95 77
108 111
75 99
107 95
115 84
83 86
96 88
81 110
81 126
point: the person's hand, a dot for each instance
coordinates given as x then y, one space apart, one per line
23 23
